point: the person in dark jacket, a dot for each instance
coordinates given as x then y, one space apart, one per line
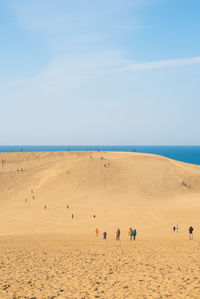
104 235
118 234
191 233
134 234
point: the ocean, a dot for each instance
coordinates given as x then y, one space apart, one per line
188 154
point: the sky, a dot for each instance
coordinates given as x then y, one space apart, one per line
99 72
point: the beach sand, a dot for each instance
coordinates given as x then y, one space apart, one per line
44 253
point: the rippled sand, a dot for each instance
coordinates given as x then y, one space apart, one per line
46 267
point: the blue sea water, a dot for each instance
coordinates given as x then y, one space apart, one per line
188 154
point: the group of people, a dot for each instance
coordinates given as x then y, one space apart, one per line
105 165
33 196
175 229
183 184
132 233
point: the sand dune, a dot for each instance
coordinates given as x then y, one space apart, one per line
134 189
44 253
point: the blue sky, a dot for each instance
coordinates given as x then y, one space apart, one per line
99 72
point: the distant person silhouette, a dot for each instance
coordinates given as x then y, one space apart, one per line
104 235
191 233
72 216
118 234
130 232
134 234
97 232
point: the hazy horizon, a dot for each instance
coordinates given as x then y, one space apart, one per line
167 145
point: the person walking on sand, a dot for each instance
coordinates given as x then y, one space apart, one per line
130 232
191 233
174 228
72 216
104 235
118 234
134 234
97 232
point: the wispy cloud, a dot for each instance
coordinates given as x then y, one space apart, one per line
160 64
67 73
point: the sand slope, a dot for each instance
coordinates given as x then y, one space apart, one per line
133 190
69 268
46 254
